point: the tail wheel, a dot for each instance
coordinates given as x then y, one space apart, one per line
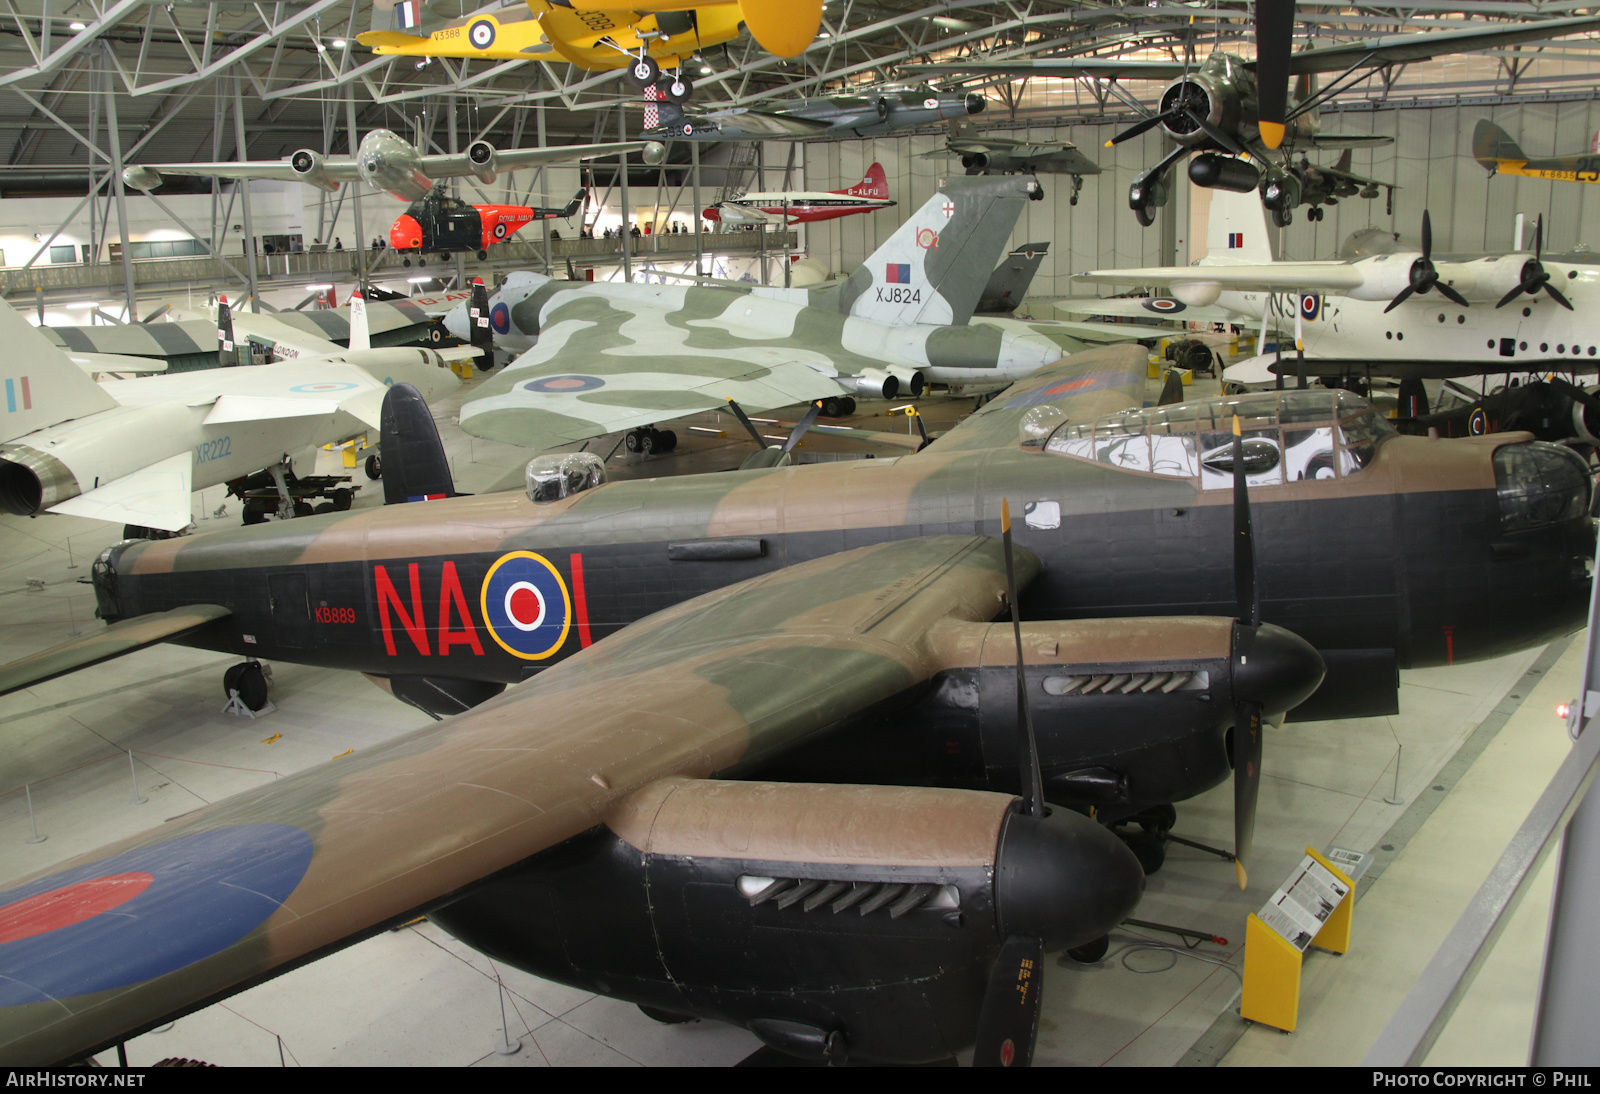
679 88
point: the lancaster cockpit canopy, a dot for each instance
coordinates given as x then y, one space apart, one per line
1288 436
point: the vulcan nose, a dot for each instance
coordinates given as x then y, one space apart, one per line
455 321
405 234
1063 878
975 103
1274 667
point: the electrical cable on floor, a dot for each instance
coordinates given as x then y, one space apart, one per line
1177 950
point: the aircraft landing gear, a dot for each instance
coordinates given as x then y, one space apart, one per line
1091 952
245 684
838 407
405 262
1283 217
482 255
649 439
643 72
1148 191
1315 213
374 467
679 88
1077 185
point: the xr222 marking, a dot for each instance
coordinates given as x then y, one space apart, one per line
213 450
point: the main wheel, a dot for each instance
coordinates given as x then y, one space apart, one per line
847 407
405 262
643 72
254 516
374 467
302 508
1145 215
482 255
249 681
1283 217
831 408
1090 952
666 440
1149 848
679 88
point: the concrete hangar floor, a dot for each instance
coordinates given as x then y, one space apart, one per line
113 751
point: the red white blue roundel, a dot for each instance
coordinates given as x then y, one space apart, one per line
481 34
500 318
1477 422
526 605
1310 306
563 385
322 388
1162 305
144 913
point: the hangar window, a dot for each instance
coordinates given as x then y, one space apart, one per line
1288 436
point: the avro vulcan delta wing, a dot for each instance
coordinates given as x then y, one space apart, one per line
623 754
610 357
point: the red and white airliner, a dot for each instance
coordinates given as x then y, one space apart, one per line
803 206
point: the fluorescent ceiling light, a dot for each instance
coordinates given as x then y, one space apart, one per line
75 25
319 288
418 280
339 43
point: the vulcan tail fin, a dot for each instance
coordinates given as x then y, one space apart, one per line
934 267
872 185
39 384
414 466
229 351
1237 230
1011 279
360 332
1492 146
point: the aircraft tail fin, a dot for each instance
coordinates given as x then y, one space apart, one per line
39 384
1238 230
661 112
1011 279
873 184
414 465
934 267
360 331
962 129
1492 146
1343 163
480 334
571 208
230 352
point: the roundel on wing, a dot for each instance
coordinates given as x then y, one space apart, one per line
322 388
570 384
500 318
1310 306
1163 305
526 605
1478 422
145 912
481 34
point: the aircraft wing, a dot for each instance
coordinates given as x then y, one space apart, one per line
1392 49
158 496
105 644
1261 277
448 165
103 363
334 168
587 377
1064 67
1085 385
235 892
1348 140
766 124
1148 307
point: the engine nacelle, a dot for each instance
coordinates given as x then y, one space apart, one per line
1383 277
481 154
777 906
141 178
1485 279
911 380
1197 294
311 167
875 383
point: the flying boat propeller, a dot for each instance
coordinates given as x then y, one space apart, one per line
1274 41
1425 276
1534 276
1008 1023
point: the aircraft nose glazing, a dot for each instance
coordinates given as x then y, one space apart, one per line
1274 667
1063 878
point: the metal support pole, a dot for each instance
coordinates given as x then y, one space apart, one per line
622 175
242 154
134 775
1395 798
450 118
33 821
539 179
694 167
117 187
1566 1029
355 194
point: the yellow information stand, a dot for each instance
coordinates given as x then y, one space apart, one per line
1272 960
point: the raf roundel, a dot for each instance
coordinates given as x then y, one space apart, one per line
1163 306
1310 306
500 318
526 605
481 34
145 912
563 385
322 388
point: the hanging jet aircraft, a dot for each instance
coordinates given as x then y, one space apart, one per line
982 155
900 322
387 161
790 602
1499 154
1321 186
866 113
441 224
785 207
1213 109
134 451
597 35
1400 313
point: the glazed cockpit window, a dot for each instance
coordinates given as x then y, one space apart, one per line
1287 435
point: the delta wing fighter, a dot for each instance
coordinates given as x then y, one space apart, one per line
605 357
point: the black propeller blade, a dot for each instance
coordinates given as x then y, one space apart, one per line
1247 715
1424 276
801 426
1274 40
1142 126
1534 276
1009 1021
1008 1024
738 412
